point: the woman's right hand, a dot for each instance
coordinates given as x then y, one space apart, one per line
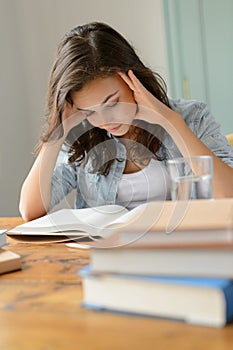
71 117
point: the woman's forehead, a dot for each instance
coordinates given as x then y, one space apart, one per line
96 91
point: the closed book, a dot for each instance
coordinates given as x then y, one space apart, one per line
151 259
202 301
9 261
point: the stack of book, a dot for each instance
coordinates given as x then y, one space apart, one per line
181 270
9 261
163 259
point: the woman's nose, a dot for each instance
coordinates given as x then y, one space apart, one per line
99 118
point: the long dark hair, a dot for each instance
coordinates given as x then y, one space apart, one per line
85 53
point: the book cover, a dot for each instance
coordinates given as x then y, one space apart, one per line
2 238
9 261
202 301
192 260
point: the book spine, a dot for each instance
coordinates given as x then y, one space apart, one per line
228 294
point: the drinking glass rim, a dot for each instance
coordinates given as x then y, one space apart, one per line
191 158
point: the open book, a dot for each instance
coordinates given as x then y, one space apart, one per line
166 222
66 224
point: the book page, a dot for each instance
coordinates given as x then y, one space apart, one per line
127 217
140 218
90 220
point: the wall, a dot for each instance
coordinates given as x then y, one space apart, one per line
29 33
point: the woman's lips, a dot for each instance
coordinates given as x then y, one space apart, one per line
115 128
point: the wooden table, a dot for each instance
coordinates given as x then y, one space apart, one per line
40 309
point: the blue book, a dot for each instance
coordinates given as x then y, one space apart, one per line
202 301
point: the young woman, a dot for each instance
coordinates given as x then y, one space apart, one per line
111 128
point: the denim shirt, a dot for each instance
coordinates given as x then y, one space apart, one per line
94 189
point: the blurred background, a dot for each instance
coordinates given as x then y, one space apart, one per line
189 42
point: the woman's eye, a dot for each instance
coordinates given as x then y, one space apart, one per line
88 114
109 105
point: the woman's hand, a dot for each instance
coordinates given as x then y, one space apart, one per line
71 117
150 108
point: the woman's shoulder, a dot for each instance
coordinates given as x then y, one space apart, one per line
195 113
188 108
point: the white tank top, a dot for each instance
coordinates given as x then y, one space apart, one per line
149 184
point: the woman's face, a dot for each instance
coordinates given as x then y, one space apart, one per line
107 103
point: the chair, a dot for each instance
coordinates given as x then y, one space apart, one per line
230 139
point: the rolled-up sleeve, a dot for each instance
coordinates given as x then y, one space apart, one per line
208 131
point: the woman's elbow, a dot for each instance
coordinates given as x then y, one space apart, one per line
29 213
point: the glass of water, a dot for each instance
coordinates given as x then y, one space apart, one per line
191 177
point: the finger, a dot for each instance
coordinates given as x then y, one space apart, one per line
134 79
67 110
127 80
71 111
72 121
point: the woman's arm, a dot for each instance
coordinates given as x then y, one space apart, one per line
156 112
36 193
36 190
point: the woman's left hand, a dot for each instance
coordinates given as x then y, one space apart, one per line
150 108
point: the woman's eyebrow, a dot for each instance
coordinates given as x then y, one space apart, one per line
108 97
102 103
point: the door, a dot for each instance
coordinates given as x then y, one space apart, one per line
200 54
